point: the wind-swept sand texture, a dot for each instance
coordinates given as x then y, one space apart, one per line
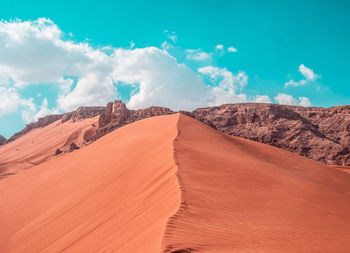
115 195
243 196
40 144
173 184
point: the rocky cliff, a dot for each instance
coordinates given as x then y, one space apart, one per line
322 134
116 115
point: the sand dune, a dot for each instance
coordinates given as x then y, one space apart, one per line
243 196
39 145
172 184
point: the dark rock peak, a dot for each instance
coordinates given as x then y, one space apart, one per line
2 140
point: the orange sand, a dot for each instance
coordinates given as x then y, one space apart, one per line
244 196
115 195
342 168
39 145
172 184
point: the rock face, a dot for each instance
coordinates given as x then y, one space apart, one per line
42 122
83 112
322 134
116 115
2 140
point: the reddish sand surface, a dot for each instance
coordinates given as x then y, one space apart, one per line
39 145
342 168
243 196
173 184
115 195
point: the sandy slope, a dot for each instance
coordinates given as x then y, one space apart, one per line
172 184
115 195
243 196
40 144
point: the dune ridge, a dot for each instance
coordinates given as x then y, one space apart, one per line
243 196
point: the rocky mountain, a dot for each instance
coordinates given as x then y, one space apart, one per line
2 140
82 112
322 134
116 115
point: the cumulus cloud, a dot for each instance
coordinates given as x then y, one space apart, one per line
307 73
262 99
160 79
32 115
10 101
304 101
285 99
231 50
228 84
33 52
197 55
219 47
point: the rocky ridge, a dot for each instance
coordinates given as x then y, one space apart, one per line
82 112
2 140
322 134
117 115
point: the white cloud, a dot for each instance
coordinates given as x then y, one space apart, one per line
33 52
166 45
228 84
32 115
304 101
294 83
160 79
219 47
285 99
307 73
231 50
262 99
10 101
197 55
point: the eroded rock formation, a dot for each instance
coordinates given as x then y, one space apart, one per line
322 134
117 115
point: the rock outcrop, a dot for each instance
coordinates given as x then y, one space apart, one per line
82 112
116 115
2 140
42 122
322 134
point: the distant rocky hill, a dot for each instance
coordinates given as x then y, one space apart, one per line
81 113
322 134
2 140
117 115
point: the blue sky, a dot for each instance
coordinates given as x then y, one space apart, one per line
57 55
